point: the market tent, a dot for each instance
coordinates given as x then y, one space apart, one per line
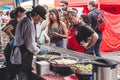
109 2
111 12
72 3
111 35
112 6
84 2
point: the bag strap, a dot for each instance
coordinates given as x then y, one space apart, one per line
97 13
96 17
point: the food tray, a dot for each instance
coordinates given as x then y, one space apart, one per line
82 68
63 61
48 55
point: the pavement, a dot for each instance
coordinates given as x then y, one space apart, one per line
113 56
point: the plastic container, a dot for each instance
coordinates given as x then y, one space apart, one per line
42 67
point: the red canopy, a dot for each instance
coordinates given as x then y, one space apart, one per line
109 2
72 3
84 2
112 6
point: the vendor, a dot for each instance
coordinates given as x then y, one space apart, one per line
25 45
78 33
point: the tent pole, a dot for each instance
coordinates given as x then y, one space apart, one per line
35 3
98 5
16 3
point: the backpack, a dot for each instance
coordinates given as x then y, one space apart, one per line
97 15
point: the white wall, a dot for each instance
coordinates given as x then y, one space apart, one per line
28 4
46 2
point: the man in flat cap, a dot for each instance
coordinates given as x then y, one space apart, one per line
25 45
78 33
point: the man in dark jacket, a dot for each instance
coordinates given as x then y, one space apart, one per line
96 18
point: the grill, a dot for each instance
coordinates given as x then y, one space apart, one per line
97 62
63 51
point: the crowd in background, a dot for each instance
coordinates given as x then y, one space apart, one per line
60 27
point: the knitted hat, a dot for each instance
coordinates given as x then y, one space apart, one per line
19 9
40 10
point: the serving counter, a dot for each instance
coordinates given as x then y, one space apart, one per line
99 64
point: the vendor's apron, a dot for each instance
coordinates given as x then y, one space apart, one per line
72 43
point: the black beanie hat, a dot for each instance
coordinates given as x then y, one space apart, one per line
40 10
19 9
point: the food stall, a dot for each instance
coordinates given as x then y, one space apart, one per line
64 63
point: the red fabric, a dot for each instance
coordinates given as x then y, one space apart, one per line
70 78
109 2
72 43
50 76
111 6
101 27
114 9
111 34
78 3
85 10
72 3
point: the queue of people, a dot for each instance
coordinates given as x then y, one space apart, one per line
55 27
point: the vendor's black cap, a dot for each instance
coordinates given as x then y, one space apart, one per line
40 10
19 9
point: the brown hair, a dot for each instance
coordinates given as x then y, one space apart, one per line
64 1
57 15
93 3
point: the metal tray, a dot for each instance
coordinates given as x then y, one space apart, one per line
48 55
63 61
82 68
